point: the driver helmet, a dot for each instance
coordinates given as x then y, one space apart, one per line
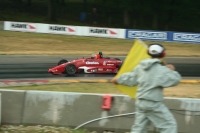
101 54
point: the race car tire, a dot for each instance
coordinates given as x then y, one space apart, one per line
62 61
119 66
70 69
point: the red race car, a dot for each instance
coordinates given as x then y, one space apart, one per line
87 65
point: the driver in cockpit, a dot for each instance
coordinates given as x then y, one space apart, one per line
97 56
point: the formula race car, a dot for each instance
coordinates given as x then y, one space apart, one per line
87 65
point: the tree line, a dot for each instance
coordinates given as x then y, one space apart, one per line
168 15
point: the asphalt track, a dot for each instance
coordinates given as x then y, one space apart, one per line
22 67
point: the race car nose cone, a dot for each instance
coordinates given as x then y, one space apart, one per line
52 70
49 70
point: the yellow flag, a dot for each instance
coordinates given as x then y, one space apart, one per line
137 53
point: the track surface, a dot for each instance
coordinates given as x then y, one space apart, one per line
14 67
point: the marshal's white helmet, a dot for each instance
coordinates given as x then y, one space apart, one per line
156 50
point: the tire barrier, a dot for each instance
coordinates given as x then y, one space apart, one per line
39 70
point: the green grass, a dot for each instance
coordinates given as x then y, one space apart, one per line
182 90
21 43
73 87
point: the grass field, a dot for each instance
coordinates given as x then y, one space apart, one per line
20 43
183 90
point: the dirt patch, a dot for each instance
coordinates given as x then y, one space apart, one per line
183 90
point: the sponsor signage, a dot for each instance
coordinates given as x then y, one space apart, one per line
103 32
151 35
62 29
110 64
91 63
19 26
188 37
104 63
109 70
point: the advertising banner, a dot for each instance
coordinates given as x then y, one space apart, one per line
103 32
146 35
62 29
22 26
185 37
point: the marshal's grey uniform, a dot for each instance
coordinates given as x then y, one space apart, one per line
151 77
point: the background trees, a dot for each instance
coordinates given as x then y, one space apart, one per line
170 15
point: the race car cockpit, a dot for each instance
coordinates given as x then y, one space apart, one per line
97 56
